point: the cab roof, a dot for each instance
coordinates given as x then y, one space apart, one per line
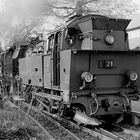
76 18
79 18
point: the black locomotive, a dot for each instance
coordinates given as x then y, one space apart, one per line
86 65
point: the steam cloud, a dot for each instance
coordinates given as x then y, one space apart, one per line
14 12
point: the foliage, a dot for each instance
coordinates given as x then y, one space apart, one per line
112 8
22 31
21 20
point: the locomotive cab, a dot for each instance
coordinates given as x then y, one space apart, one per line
97 33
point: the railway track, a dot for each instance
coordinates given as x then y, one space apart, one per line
31 120
99 133
55 127
51 128
129 131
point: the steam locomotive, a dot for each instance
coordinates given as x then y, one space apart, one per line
86 65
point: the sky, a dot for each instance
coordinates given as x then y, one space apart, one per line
13 13
1 5
137 2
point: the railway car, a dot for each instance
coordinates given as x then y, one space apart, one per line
9 65
86 66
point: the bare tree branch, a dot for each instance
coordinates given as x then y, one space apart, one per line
61 7
63 16
89 1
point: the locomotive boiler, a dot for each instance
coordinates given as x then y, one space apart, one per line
86 66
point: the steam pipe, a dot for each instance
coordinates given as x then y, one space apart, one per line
93 113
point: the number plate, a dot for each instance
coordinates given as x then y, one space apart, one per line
107 64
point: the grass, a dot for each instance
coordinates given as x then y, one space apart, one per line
14 126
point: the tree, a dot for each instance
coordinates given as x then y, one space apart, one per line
111 8
21 19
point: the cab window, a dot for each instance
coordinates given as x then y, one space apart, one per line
50 43
70 36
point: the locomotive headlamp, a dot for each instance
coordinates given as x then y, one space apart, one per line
109 39
87 77
133 76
